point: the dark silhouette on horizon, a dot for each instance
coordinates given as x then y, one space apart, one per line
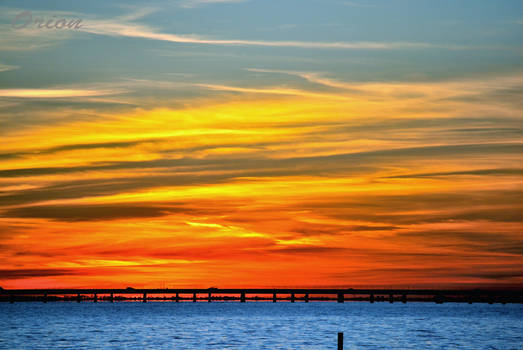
438 296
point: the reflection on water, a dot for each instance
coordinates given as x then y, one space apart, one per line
259 325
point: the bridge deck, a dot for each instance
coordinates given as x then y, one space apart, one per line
313 291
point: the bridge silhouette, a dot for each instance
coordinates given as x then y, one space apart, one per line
264 294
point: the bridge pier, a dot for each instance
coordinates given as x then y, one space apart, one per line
78 298
242 297
371 298
391 298
193 297
177 297
95 298
341 297
274 297
45 298
111 298
144 297
306 297
11 298
210 297
404 298
293 297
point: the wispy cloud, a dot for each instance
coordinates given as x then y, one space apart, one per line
265 180
29 39
95 92
313 77
6 67
439 89
138 13
52 93
125 28
306 168
273 91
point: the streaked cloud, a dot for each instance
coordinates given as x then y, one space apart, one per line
7 67
137 30
272 90
127 154
51 93
126 26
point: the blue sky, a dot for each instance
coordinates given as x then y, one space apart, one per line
169 53
448 38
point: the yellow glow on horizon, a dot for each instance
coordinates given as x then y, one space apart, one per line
279 187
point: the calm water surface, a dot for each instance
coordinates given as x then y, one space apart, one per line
259 325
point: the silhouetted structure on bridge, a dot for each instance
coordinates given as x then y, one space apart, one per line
260 294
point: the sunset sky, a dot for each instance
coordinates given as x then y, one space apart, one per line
262 143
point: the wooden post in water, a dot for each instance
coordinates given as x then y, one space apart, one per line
78 298
111 298
306 297
340 340
274 297
391 298
95 298
144 297
11 298
404 299
177 297
341 297
45 298
371 298
193 297
242 297
210 297
293 297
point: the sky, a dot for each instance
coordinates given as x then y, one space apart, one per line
261 143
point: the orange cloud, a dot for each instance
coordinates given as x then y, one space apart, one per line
287 191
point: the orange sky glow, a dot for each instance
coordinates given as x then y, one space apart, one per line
361 185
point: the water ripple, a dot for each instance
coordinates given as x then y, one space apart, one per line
258 326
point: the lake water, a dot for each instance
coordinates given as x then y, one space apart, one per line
259 325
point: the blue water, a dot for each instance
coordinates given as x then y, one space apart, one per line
259 325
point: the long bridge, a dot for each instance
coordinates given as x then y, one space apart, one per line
263 294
